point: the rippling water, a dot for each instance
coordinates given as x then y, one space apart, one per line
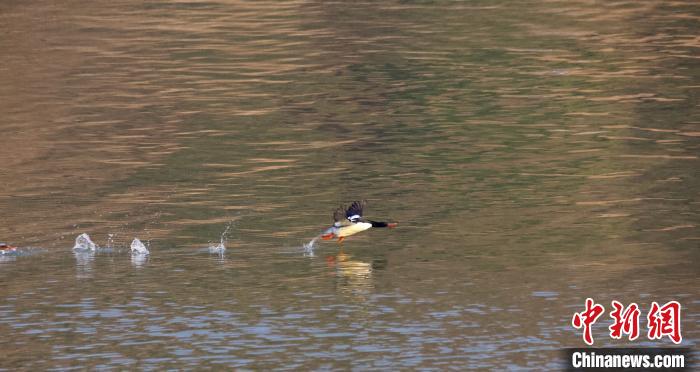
534 154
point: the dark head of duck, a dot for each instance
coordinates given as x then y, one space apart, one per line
390 225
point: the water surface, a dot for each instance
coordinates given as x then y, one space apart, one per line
534 154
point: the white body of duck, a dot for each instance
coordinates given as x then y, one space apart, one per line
345 231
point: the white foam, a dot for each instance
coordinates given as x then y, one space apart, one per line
309 247
217 248
138 248
84 243
221 247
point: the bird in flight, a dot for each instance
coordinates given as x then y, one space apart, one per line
349 221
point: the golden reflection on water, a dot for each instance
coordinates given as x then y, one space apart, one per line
354 277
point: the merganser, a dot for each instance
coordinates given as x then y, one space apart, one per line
349 222
6 248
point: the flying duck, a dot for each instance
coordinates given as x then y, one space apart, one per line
350 221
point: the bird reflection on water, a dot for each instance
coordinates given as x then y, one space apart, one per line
353 276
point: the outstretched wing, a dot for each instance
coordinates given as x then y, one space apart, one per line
354 212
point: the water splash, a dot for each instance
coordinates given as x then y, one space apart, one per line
138 248
217 248
221 247
83 243
224 235
309 247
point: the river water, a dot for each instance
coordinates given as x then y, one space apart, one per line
534 153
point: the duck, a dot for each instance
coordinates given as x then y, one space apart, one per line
349 221
6 248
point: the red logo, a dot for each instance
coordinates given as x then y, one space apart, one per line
661 321
626 321
586 319
665 321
